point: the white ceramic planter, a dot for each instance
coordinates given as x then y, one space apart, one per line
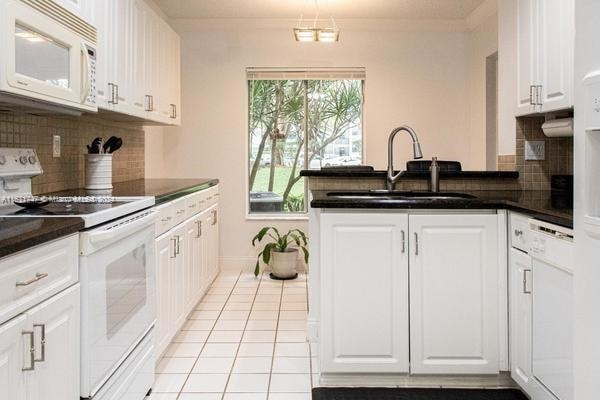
283 264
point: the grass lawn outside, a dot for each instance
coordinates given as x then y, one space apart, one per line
282 174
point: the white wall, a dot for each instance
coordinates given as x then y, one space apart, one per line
483 42
507 88
417 74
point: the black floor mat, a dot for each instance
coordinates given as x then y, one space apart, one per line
415 394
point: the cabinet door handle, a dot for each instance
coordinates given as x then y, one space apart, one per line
531 102
199 226
31 351
215 218
174 241
178 243
518 232
117 94
416 244
402 235
148 103
38 277
42 342
525 290
538 94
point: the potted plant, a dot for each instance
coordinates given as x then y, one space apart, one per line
281 252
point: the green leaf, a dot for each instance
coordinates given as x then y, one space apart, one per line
259 236
305 251
267 252
257 269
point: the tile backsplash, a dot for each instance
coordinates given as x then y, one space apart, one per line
68 171
535 175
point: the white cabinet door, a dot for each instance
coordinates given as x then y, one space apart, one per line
14 356
454 294
520 317
55 324
124 53
213 255
192 267
139 77
165 252
178 268
526 55
556 53
102 18
364 292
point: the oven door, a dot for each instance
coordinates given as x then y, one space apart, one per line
117 272
45 60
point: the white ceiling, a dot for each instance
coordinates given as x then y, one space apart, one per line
342 9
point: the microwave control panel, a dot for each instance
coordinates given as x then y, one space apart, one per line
91 55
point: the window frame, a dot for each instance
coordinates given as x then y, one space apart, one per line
295 216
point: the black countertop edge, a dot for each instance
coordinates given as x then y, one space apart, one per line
537 204
18 234
339 173
163 190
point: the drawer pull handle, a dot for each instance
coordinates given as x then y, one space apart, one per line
42 342
192 206
518 232
166 219
403 240
38 277
525 290
31 351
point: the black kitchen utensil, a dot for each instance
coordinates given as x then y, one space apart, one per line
110 142
116 145
33 202
94 148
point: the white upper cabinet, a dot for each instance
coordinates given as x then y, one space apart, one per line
138 71
526 51
454 294
556 53
364 293
544 48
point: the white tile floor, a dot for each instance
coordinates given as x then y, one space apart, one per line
246 340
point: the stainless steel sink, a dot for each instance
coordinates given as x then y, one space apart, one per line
399 195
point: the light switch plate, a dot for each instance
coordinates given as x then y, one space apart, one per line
55 146
535 150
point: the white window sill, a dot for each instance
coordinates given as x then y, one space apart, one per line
277 217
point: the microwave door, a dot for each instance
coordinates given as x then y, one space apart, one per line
44 59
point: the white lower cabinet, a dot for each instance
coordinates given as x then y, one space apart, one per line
39 350
187 263
398 287
520 317
364 293
454 294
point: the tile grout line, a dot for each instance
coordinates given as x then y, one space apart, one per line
275 341
210 331
243 332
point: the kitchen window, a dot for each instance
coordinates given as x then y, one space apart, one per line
299 120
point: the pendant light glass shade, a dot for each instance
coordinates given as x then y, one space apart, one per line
305 34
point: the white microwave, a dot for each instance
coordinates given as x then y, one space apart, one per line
47 57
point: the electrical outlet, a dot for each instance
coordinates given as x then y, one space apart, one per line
535 150
55 146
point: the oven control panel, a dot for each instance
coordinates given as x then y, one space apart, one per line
15 163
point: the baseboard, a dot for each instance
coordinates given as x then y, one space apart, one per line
500 381
247 264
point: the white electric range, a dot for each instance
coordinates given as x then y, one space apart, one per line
116 272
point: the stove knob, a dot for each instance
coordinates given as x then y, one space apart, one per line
23 160
32 160
2 160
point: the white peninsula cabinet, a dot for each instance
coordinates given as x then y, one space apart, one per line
187 247
364 293
411 293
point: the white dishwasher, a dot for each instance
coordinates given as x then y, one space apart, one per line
552 296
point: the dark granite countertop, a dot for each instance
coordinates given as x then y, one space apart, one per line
539 204
163 190
350 173
17 234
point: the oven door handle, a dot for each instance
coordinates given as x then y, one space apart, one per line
124 229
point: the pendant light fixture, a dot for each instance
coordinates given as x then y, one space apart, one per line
308 30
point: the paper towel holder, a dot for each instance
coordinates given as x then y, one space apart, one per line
558 127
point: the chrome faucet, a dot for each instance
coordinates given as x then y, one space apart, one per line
391 178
